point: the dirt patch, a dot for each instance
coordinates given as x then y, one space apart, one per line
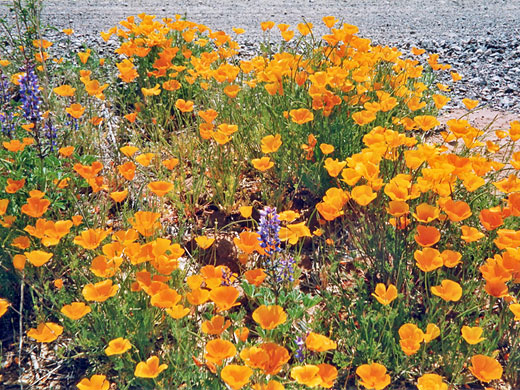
482 119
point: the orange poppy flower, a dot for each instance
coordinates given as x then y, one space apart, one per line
64 90
431 382
127 71
150 368
14 145
194 281
432 332
456 210
160 188
472 335
236 376
220 137
410 338
21 242
328 212
266 25
329 21
398 208
94 88
440 101
171 85
218 350
306 375
217 325
426 122
129 150
271 143
84 56
515 309
183 105
364 117
19 262
470 104
426 213
75 310
45 332
100 291
269 317
255 276
170 163
117 346
127 170
224 297
427 235
334 166
165 298
145 159
232 91
38 258
448 290
262 164
3 206
327 374
287 35
177 311
363 194
245 211
319 343
66 151
269 357
88 171
155 91
485 368
271 385
326 149
301 116
119 196
496 287
58 283
491 219
209 115
242 333
131 117
4 304
96 382
49 232
385 295
450 258
470 234
7 221
75 110
91 238
35 206
204 242
197 296
248 242
145 222
415 103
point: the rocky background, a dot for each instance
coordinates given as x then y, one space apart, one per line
479 38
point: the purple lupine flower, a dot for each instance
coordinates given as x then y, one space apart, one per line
269 229
285 269
7 123
51 134
226 277
298 354
30 95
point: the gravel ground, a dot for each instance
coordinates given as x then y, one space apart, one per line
479 38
